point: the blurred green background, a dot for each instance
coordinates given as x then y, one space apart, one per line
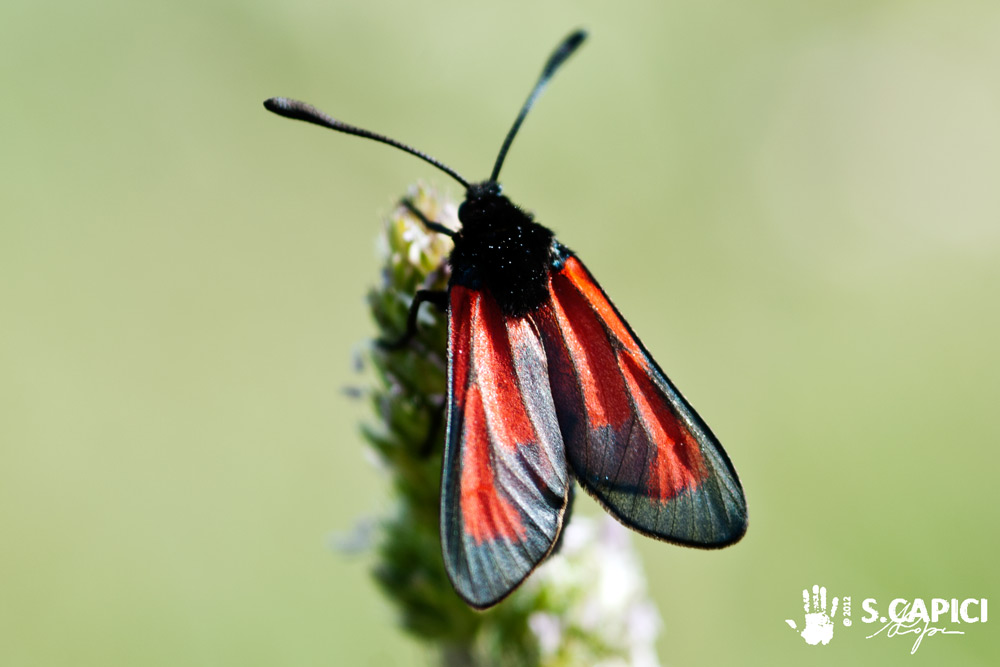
795 204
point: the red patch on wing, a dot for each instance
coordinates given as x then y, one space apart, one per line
596 367
495 419
676 462
506 415
486 515
574 271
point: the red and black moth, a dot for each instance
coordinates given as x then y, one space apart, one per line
547 383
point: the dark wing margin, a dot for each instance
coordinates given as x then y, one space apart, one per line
505 481
632 440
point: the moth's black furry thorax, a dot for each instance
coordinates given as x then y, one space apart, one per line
500 248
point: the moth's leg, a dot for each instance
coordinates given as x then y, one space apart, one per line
438 297
428 223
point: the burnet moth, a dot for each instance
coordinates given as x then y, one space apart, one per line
547 383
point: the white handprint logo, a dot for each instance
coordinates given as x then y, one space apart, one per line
819 625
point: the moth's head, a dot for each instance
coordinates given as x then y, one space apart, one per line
484 202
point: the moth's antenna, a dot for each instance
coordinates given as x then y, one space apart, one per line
558 57
310 114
